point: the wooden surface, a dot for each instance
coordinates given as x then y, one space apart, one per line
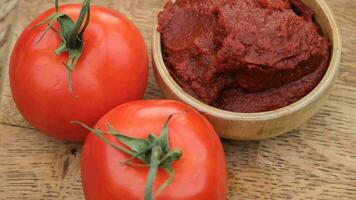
317 161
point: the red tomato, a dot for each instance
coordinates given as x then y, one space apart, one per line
200 174
112 70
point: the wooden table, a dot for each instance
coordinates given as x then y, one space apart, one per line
317 161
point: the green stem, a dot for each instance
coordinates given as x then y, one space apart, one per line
86 21
100 134
56 5
83 13
155 157
170 172
153 151
71 34
75 36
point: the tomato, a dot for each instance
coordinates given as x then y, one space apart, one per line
111 70
200 173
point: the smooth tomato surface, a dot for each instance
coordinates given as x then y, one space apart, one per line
200 174
112 70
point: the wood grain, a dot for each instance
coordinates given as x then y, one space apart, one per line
316 161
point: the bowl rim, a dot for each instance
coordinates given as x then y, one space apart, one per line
323 85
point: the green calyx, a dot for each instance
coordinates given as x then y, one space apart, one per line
71 34
154 152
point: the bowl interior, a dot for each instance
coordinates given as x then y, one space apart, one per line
330 28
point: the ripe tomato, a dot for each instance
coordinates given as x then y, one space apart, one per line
111 70
200 173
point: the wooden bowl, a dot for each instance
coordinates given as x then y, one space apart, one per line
255 126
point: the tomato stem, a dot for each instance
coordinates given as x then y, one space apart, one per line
71 34
154 164
154 152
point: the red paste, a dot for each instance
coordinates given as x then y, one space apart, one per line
243 55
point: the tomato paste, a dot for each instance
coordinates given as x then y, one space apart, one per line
243 55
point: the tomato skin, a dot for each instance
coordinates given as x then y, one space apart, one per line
112 70
200 174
